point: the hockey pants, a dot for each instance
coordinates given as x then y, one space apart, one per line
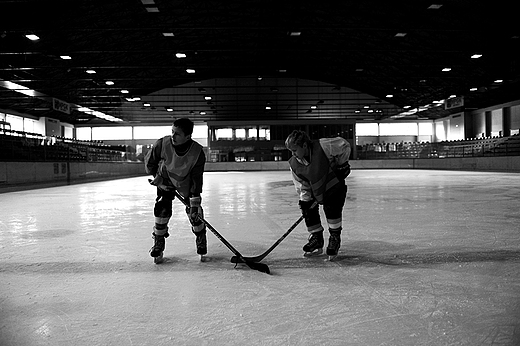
163 212
333 209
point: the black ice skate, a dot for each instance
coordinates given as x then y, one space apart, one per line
157 249
202 244
334 244
315 245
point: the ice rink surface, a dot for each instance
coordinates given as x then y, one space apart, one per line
427 258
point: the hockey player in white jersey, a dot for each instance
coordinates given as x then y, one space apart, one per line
319 168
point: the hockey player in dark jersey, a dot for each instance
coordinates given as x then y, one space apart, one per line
177 163
319 168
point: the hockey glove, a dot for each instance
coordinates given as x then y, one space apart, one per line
305 206
160 183
342 171
194 209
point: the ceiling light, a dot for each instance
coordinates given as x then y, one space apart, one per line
90 71
434 6
180 55
406 107
109 82
190 70
32 37
124 91
207 98
202 113
169 109
295 33
282 71
148 2
389 96
446 69
357 110
65 57
314 107
473 89
400 34
476 56
18 88
499 81
267 107
146 104
152 9
168 34
366 107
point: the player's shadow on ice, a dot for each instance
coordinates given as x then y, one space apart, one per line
383 253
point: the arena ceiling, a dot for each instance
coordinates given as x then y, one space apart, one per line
148 61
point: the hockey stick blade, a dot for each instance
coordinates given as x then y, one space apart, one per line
256 266
236 259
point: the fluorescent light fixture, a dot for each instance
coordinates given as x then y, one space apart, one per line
207 98
168 34
19 88
90 71
406 107
267 107
98 114
32 37
202 113
295 33
389 96
148 2
473 89
476 56
30 92
314 107
124 91
499 80
146 104
180 55
109 82
190 70
400 34
152 9
434 6
446 69
169 109
65 57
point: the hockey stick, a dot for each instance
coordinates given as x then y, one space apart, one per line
260 257
256 266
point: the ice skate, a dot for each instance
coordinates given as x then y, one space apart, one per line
202 245
334 245
315 245
157 249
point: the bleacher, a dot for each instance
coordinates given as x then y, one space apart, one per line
491 146
25 146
